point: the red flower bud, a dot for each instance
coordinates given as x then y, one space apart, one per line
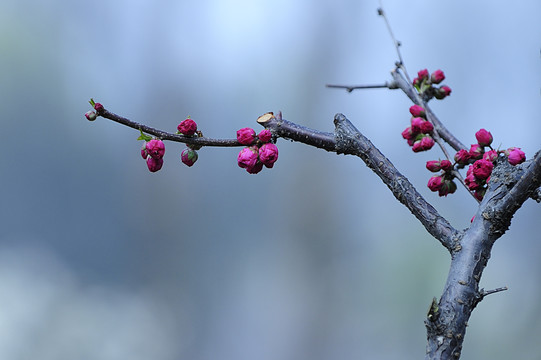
426 127
476 151
417 111
98 107
463 157
446 165
155 148
471 182
515 156
433 165
484 138
154 164
479 194
265 136
408 133
187 127
422 74
246 136
423 144
416 124
268 154
437 77
490 155
188 156
435 183
442 92
248 157
482 169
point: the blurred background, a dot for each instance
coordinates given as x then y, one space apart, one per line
314 259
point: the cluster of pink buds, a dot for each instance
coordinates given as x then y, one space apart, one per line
481 163
424 83
188 127
258 152
418 134
153 151
442 183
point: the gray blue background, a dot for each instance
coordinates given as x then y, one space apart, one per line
314 259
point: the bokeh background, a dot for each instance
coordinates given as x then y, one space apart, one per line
314 259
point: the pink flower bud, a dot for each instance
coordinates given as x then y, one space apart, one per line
265 136
476 151
187 127
484 138
422 74
426 127
416 124
515 156
98 107
490 155
482 169
435 183
437 77
188 156
417 111
416 82
408 133
462 157
256 168
446 165
91 115
471 182
268 154
423 144
246 136
442 92
433 165
155 148
248 157
154 164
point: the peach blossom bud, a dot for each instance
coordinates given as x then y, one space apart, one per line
484 138
187 127
482 169
265 136
248 157
268 154
435 183
417 111
433 165
515 156
154 164
437 77
490 155
188 156
476 151
91 115
155 148
246 136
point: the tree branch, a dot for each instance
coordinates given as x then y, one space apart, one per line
163 135
509 187
348 140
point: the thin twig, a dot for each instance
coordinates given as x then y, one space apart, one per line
396 43
484 292
349 88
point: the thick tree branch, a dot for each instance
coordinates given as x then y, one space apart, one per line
348 140
509 187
